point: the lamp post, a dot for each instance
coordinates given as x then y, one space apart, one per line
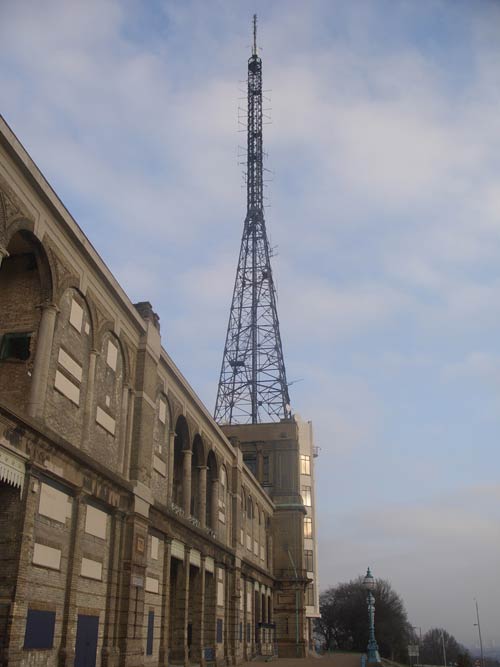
478 625
372 648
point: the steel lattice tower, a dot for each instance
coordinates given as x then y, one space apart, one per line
252 384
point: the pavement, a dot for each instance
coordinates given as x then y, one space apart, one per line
326 660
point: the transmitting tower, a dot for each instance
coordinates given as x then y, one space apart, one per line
252 385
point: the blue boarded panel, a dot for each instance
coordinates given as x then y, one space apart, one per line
39 629
86 640
149 639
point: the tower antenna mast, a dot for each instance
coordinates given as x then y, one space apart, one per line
252 384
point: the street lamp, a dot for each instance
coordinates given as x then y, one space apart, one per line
372 648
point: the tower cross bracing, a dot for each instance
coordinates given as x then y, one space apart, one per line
252 385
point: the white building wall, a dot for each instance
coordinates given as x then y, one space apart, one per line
307 481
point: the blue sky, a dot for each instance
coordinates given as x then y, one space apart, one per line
385 214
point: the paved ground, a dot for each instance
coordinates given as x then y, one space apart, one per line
331 660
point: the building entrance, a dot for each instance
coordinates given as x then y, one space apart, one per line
86 641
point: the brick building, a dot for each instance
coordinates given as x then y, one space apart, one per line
133 530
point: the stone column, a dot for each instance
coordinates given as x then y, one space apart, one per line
214 505
3 254
109 645
165 604
186 479
246 619
170 471
127 436
197 611
203 496
260 464
209 611
89 398
42 360
66 655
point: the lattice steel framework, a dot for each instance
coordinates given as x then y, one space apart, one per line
252 384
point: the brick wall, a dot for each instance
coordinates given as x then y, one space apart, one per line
20 294
63 415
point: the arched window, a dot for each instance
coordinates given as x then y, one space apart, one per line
223 494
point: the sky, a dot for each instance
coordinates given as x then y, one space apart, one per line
384 216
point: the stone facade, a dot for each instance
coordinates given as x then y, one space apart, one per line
131 530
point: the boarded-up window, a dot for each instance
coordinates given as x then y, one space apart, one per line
95 522
54 503
67 388
39 629
46 556
76 316
162 412
92 569
149 638
112 355
220 587
155 542
105 420
152 585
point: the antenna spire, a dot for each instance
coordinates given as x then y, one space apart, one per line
254 51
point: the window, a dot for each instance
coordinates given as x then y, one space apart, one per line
241 632
68 376
220 587
53 503
39 629
265 472
310 595
305 464
219 631
250 508
76 316
222 495
149 638
306 495
308 526
112 355
96 522
250 461
309 560
155 543
15 346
